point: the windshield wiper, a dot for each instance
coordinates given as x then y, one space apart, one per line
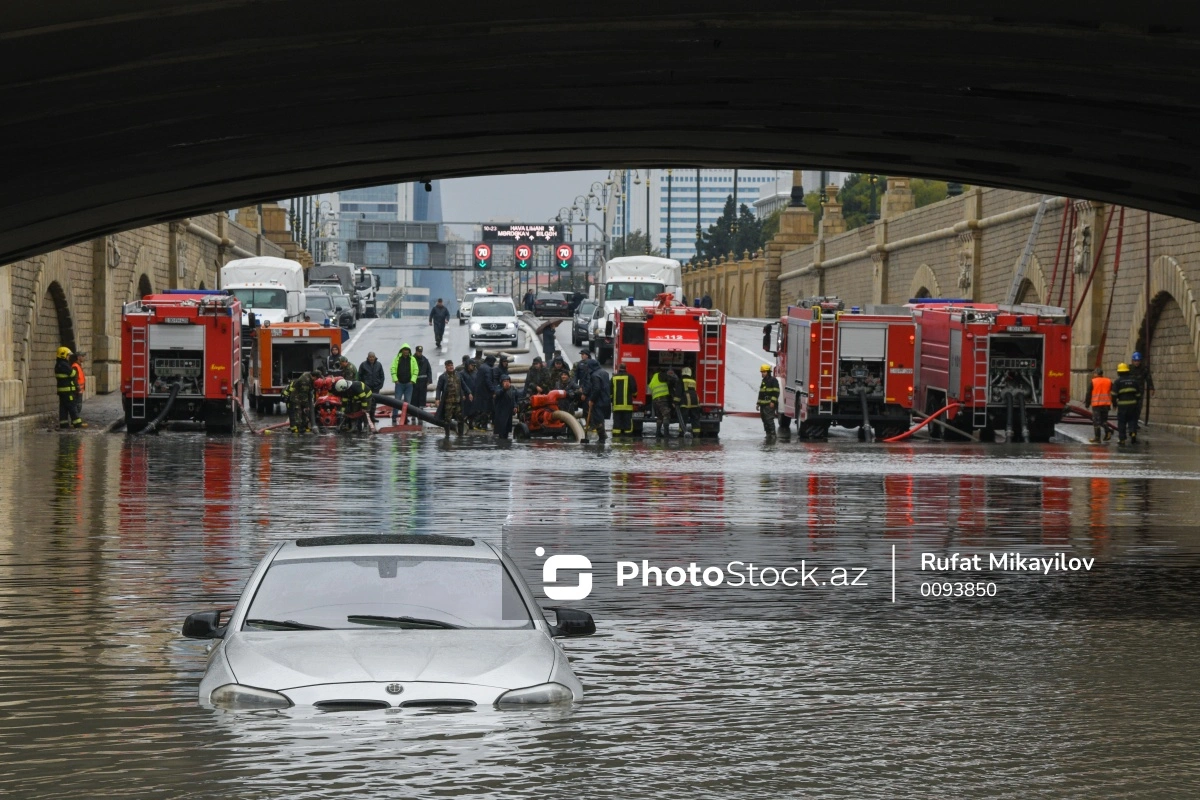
286 624
400 622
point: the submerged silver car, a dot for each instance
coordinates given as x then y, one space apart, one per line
387 621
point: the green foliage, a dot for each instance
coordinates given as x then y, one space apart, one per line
926 192
633 245
855 198
770 226
813 201
723 237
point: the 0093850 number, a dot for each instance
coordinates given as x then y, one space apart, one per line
952 589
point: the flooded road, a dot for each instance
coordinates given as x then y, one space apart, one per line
1066 686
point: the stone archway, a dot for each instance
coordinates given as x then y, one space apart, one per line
924 283
1173 353
1028 293
731 300
52 328
144 287
201 286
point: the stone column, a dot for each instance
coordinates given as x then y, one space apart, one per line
12 388
969 284
796 229
879 259
897 199
832 221
105 347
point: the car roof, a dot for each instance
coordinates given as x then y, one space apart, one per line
387 544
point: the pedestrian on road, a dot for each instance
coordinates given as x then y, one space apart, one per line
504 402
424 378
1128 393
1099 398
1140 372
64 375
546 331
450 395
768 400
404 375
527 302
624 394
370 372
81 383
439 315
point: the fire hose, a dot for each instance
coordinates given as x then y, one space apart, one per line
901 437
412 411
153 424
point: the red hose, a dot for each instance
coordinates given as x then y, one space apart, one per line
901 437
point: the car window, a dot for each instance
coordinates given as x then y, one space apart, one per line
319 300
493 308
550 296
638 291
328 592
260 298
586 308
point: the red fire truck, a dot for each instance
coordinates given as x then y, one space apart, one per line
1008 366
181 359
837 367
282 351
669 335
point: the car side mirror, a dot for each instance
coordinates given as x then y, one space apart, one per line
767 339
204 625
570 622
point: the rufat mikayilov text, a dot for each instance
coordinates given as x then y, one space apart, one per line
1010 561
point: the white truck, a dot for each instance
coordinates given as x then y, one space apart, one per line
641 278
271 288
367 283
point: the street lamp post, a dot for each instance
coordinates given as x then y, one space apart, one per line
873 215
670 172
601 191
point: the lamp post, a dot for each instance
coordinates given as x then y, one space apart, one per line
601 192
872 216
638 175
696 257
670 172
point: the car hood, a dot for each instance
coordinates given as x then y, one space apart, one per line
287 659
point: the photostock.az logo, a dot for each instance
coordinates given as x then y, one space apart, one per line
565 562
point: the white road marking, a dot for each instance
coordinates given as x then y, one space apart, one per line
357 336
748 351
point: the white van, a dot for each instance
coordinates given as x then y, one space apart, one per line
493 321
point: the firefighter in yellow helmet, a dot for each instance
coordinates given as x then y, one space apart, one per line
68 388
768 399
1127 392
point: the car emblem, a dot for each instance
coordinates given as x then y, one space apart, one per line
394 688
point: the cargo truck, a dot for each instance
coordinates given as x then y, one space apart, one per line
270 288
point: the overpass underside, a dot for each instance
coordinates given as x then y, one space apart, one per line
124 112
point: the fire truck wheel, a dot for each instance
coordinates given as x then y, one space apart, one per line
785 423
219 419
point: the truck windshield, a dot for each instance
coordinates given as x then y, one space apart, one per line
620 290
493 308
261 298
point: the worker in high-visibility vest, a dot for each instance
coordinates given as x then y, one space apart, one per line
81 382
691 402
624 392
660 397
1099 398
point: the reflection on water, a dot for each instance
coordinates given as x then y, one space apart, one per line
112 541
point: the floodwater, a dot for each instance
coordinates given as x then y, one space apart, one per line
1067 686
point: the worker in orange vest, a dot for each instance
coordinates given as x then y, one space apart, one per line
81 382
1099 397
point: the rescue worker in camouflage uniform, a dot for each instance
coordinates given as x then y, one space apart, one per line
558 367
537 379
768 400
347 369
356 398
450 396
299 397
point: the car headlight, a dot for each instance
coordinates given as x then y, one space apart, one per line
543 694
236 696
475 326
510 325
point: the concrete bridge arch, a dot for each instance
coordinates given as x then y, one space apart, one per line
50 324
924 283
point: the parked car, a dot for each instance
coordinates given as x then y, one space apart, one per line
347 312
582 320
551 304
360 622
493 321
468 300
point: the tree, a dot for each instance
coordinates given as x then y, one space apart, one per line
855 198
723 238
633 245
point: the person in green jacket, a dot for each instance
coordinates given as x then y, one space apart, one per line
404 375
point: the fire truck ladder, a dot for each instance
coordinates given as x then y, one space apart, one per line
827 380
710 386
980 390
139 368
1027 254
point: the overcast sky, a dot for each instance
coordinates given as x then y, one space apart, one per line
535 197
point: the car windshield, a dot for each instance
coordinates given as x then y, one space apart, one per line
388 591
586 308
493 308
260 298
621 290
319 300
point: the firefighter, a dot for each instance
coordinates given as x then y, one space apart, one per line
624 392
64 375
81 382
347 369
1099 398
300 398
660 397
450 395
356 397
768 399
1140 372
691 402
1128 393
676 387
